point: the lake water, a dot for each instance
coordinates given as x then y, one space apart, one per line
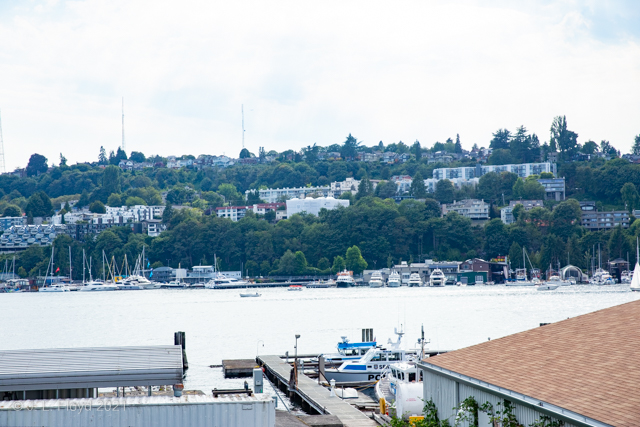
221 325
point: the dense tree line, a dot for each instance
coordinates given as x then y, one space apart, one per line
374 231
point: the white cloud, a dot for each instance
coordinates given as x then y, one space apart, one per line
306 72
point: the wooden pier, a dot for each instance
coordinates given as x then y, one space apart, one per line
312 396
235 368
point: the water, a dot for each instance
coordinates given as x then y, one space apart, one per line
221 325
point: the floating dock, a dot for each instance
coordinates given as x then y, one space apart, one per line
235 368
313 397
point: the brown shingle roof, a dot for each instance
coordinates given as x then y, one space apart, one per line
589 364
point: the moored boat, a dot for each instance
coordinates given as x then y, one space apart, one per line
437 278
394 280
345 279
376 280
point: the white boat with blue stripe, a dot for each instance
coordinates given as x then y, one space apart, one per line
349 351
369 368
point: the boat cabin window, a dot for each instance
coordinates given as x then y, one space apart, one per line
363 351
393 357
412 376
379 357
351 352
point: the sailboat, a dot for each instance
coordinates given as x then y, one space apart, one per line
521 273
635 280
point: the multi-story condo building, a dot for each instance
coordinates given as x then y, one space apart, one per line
474 209
273 195
522 170
313 206
594 220
9 221
236 213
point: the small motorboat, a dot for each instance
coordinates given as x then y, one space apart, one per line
547 287
295 288
250 294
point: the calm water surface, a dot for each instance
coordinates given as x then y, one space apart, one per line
221 325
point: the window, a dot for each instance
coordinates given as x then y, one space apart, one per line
392 357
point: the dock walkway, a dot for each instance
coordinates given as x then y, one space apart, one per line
316 395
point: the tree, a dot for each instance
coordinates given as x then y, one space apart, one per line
636 145
386 189
102 157
458 146
63 160
501 156
338 264
324 264
630 196
562 139
349 148
354 261
418 189
37 165
608 149
365 188
496 239
245 154
433 209
22 272
444 191
135 201
253 197
111 180
517 211
416 150
525 148
532 190
589 147
137 157
566 218
84 199
97 207
167 214
501 140
515 255
115 200
12 211
300 263
39 205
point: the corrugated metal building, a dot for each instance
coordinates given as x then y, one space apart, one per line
157 411
582 371
78 372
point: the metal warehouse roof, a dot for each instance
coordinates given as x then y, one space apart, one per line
51 369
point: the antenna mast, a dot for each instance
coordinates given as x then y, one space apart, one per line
242 125
2 170
123 123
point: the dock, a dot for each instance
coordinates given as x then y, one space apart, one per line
235 368
312 396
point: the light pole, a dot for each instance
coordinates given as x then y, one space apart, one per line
295 361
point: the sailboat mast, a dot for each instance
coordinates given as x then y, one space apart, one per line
70 266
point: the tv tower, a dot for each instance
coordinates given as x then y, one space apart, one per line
123 123
2 170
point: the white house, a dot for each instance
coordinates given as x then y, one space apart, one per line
313 206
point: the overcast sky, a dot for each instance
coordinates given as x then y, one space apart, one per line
310 72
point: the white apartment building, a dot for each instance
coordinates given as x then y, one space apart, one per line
522 170
273 195
313 206
474 209
236 213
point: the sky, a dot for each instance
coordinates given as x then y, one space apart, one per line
310 72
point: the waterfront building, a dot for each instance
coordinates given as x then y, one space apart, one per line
510 372
273 195
313 206
522 170
474 209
